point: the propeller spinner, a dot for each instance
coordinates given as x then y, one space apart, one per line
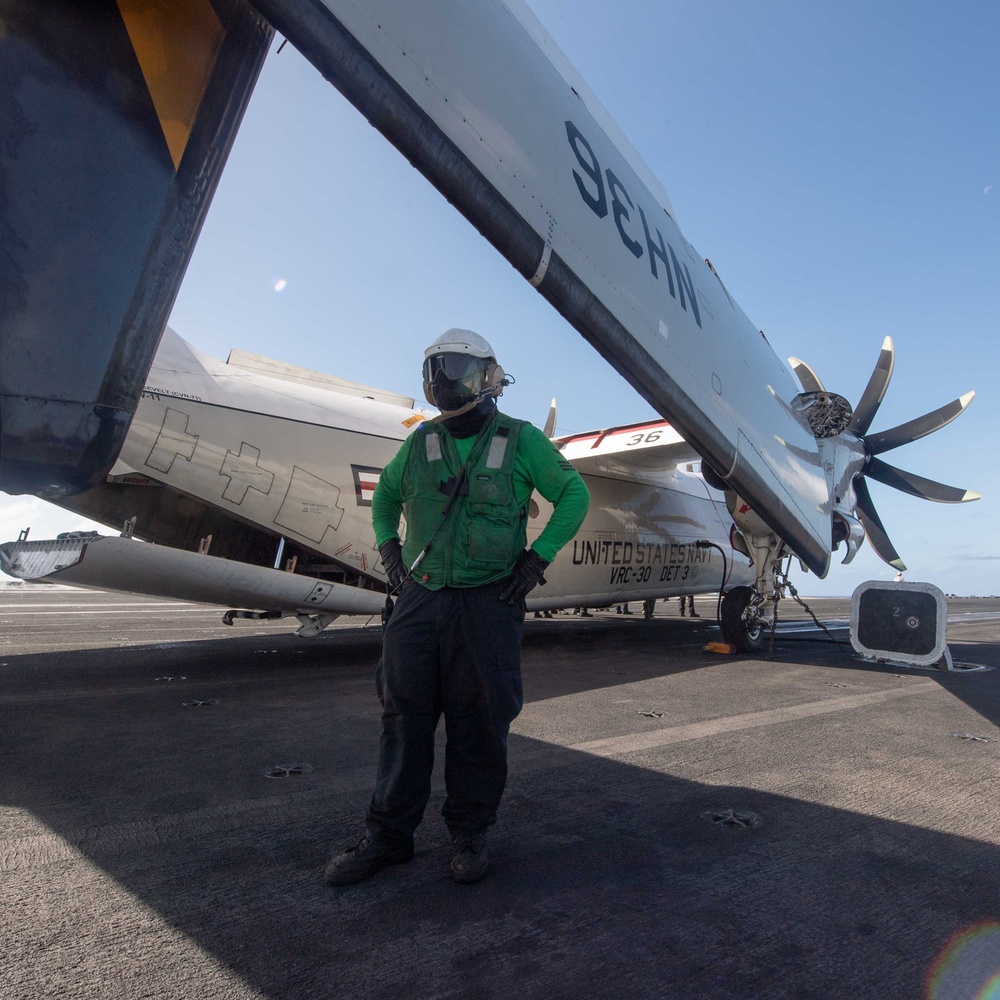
846 433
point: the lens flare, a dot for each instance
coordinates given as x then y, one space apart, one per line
280 285
968 966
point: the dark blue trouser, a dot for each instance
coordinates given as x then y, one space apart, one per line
456 651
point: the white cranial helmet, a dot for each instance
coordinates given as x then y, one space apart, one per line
457 341
460 370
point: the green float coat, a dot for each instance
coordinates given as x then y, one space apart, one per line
480 540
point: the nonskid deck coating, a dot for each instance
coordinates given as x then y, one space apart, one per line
148 853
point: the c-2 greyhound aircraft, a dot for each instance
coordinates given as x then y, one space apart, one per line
117 118
255 480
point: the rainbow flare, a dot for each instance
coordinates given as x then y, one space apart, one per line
968 966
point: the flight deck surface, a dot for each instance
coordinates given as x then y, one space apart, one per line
173 788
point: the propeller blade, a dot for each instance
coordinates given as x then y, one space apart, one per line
916 485
868 516
875 444
550 421
871 398
808 379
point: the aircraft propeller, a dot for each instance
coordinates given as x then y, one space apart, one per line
883 441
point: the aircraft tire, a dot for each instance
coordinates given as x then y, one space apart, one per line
734 627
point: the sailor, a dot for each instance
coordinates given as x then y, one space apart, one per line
687 600
452 643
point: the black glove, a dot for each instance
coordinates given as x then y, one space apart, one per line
527 573
392 560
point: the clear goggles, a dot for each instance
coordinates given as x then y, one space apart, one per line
454 367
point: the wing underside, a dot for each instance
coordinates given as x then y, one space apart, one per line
513 138
511 135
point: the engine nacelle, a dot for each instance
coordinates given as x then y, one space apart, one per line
745 517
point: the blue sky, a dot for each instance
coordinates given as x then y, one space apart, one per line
835 162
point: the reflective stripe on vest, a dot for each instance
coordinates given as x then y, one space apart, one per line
498 448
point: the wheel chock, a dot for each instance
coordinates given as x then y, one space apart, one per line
726 648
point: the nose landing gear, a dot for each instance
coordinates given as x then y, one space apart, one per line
742 624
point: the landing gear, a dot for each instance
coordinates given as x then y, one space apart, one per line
742 626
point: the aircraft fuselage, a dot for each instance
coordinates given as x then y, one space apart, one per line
298 464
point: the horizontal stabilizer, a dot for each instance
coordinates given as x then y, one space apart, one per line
631 451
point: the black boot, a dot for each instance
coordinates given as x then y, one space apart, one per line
365 858
471 859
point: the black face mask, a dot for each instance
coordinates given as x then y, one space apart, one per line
454 379
469 423
449 395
